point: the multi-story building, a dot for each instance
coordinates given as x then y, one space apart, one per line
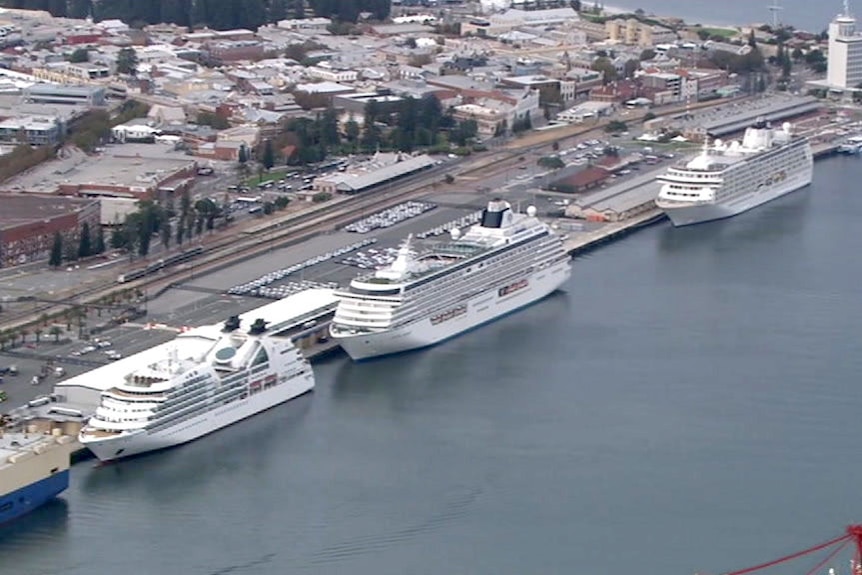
844 64
87 71
50 94
632 31
329 74
34 130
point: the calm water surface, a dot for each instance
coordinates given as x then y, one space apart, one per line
804 14
691 403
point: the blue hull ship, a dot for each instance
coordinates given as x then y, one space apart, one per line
34 468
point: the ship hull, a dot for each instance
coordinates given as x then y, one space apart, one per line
28 498
681 214
141 441
480 309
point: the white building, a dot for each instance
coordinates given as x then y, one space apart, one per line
845 52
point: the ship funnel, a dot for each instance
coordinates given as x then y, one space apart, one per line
258 327
231 324
495 214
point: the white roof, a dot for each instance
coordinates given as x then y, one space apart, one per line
276 313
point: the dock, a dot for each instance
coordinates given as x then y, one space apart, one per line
613 212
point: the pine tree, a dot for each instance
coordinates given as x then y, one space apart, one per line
99 245
84 248
56 251
268 155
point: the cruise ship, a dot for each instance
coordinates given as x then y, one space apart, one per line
207 378
726 179
34 468
506 261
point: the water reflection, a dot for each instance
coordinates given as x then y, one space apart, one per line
45 524
766 223
211 458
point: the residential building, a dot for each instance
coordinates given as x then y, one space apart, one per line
634 32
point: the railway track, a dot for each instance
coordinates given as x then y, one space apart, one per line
227 251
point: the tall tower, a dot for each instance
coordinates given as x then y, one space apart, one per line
845 51
774 8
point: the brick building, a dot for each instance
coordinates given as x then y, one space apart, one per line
28 223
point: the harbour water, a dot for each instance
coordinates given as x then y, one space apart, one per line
803 14
690 403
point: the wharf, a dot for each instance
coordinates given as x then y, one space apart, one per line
579 242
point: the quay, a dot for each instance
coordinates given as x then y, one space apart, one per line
623 208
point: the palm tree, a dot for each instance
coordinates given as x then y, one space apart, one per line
4 339
43 320
24 333
67 315
55 331
38 332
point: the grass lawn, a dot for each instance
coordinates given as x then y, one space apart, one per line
263 178
726 33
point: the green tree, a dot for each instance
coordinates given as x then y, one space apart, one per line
99 243
165 234
118 238
56 257
127 62
268 159
55 331
79 55
647 54
606 67
84 248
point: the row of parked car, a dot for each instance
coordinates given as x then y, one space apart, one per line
390 216
371 259
290 288
460 223
253 287
98 344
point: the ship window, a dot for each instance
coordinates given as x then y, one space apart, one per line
5 507
261 357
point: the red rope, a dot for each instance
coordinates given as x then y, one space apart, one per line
844 538
829 557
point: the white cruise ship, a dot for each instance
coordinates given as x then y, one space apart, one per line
726 179
207 378
503 263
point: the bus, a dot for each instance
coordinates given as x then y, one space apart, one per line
248 199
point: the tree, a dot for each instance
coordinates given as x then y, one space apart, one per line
56 251
127 62
647 54
84 248
630 67
79 55
606 67
55 331
37 331
99 244
165 234
268 159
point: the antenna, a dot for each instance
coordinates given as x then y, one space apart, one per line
774 8
847 8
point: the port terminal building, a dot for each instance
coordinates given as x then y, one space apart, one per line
734 117
303 317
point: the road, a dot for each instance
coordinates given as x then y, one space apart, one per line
486 167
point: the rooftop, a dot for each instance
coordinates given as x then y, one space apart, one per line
22 209
281 314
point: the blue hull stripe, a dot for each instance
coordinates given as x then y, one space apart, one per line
28 498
